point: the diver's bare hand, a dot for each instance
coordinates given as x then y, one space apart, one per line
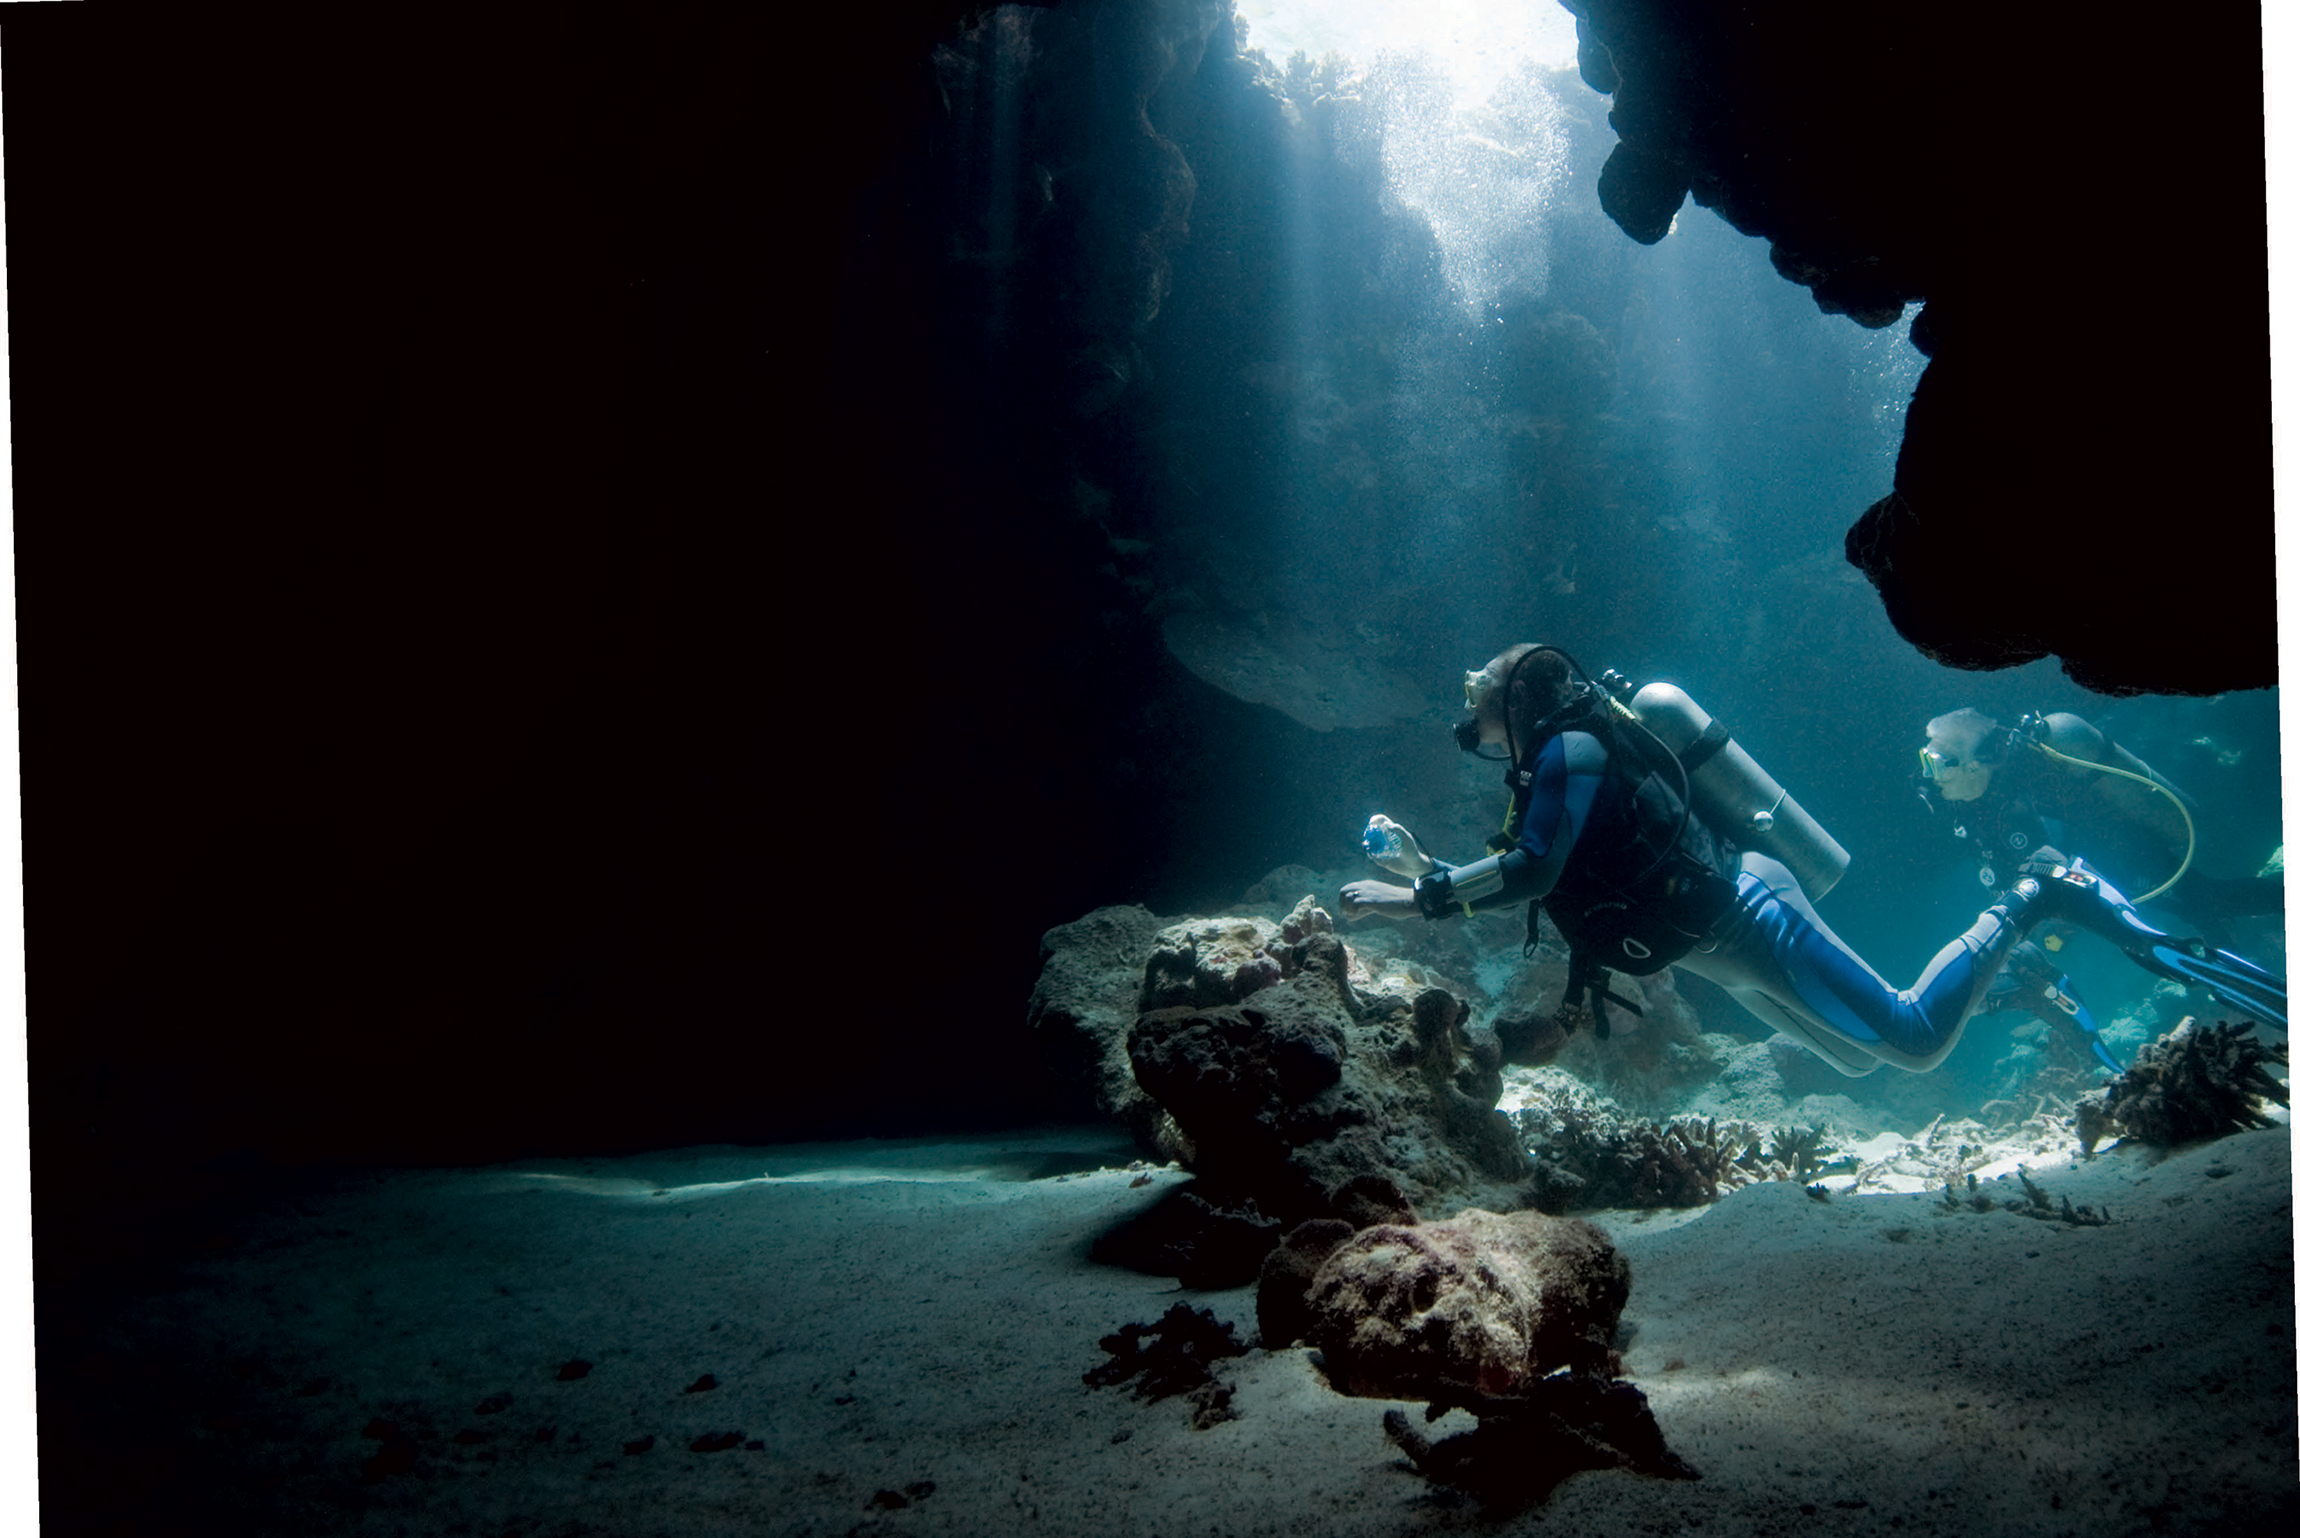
1367 899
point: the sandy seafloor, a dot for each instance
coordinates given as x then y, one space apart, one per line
896 1333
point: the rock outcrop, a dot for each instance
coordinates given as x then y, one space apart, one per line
1295 1078
1089 983
1510 1316
1291 1071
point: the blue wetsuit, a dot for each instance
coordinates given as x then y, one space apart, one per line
1769 949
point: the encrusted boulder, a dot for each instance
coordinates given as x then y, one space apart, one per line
1483 1303
1089 987
1214 962
1282 1296
1291 1071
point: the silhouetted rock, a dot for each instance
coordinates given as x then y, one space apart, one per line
2087 452
1525 1445
1282 1298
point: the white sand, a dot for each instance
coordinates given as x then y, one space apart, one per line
885 1316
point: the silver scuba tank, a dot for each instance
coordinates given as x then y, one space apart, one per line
1734 795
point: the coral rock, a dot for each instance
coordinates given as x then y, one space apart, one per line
1089 986
1321 1081
2190 1084
1282 1299
1484 1303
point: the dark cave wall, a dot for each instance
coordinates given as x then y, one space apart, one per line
646 677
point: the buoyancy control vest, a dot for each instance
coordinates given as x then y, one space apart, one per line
1647 877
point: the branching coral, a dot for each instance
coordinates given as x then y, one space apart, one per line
1689 1162
1590 1153
1802 1151
2191 1084
2034 1202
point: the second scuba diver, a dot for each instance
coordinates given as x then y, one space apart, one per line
2058 785
2054 786
1605 831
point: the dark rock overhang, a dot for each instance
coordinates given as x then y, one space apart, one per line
2086 465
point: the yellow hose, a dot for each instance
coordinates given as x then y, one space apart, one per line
2153 784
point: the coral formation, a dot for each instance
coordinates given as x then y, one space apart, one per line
1685 1163
1589 1155
1801 1151
2034 1202
1186 1341
1484 1302
2191 1084
1291 1071
1292 1077
1084 1003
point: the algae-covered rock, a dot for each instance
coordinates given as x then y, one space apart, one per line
1482 1302
1292 1070
1089 985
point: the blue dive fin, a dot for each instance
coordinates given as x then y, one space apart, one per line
2231 979
2062 993
2086 899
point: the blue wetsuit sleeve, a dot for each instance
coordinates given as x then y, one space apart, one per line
1566 778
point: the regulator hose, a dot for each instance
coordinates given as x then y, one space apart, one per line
2152 783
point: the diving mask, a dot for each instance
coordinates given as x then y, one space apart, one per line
1932 762
1476 685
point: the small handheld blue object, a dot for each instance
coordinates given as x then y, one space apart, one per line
1381 840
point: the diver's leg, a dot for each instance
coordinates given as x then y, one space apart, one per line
1834 1050
1772 944
1737 958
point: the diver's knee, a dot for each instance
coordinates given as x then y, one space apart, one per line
1848 1060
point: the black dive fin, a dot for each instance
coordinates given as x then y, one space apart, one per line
2080 896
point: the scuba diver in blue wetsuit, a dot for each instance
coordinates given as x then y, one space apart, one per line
1648 852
